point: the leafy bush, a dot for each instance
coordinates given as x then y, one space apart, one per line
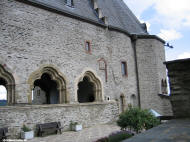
119 136
137 119
103 140
25 128
116 137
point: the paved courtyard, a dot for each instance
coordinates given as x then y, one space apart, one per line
86 135
172 131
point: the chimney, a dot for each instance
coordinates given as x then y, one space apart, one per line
105 20
94 3
99 12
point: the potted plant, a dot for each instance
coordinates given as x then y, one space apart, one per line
75 126
26 133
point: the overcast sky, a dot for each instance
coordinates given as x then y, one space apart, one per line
169 19
3 93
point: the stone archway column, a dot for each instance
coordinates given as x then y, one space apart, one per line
10 94
60 96
98 94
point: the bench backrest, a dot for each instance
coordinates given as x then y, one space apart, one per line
49 125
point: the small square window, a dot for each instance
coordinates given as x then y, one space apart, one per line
69 3
124 68
87 47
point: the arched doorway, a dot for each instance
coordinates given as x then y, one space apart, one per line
122 103
45 91
7 87
47 86
133 100
86 91
89 88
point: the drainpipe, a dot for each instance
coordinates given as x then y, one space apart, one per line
134 39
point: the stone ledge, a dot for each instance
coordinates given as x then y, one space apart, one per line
55 105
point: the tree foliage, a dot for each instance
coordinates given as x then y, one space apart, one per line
137 119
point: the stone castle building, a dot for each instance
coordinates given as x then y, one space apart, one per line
76 60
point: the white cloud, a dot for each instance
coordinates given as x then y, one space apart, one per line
138 6
169 13
173 14
184 55
169 35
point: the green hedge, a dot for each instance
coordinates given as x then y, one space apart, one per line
137 119
116 137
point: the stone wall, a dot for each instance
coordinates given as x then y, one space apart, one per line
150 58
179 78
86 114
32 38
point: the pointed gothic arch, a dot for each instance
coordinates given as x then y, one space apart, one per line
133 100
96 85
55 76
9 84
122 103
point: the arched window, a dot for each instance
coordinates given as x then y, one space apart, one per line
89 88
45 91
47 86
133 100
7 87
122 103
103 66
86 91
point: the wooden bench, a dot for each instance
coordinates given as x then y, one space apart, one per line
3 133
48 127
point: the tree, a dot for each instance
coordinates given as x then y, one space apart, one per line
137 119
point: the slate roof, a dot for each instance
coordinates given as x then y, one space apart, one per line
117 12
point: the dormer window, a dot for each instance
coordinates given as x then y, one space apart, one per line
69 3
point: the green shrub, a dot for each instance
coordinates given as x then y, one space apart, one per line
116 137
103 140
25 128
137 119
119 136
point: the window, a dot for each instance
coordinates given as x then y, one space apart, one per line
164 86
7 87
124 68
69 3
87 47
89 88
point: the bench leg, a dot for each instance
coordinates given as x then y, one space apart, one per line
40 134
60 131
